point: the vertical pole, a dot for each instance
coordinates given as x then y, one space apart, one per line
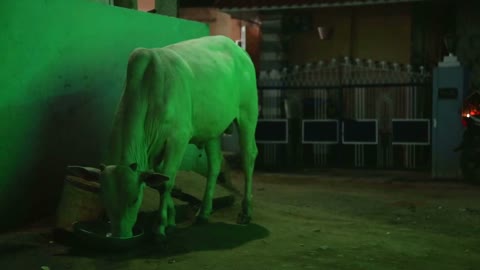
243 36
340 151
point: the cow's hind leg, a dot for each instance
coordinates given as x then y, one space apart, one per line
247 123
213 150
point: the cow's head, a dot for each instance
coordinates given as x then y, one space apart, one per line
121 191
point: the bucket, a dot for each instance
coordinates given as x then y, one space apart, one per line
80 201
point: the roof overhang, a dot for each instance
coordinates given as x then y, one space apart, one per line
232 6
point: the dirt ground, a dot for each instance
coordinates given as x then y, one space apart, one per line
334 220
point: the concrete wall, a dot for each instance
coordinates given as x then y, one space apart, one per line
377 32
382 33
107 2
63 67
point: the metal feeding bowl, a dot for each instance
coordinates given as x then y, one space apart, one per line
94 234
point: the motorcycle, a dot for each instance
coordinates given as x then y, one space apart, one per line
470 144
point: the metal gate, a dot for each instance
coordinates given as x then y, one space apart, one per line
361 114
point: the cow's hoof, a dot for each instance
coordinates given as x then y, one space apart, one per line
243 219
201 220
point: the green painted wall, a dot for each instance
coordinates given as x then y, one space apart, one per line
62 67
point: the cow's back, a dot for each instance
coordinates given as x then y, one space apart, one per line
220 81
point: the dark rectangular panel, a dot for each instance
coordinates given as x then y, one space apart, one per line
272 131
320 131
362 131
414 131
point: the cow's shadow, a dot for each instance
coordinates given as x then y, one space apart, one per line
211 236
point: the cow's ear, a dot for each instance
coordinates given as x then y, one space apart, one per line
154 180
87 173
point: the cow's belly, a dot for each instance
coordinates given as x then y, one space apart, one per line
214 107
208 126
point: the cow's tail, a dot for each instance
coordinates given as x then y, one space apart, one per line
137 65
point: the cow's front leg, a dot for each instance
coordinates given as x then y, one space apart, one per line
213 150
174 151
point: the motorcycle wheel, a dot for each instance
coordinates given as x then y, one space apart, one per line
470 166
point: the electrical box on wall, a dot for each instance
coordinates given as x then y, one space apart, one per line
450 87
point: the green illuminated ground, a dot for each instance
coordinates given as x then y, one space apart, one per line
303 222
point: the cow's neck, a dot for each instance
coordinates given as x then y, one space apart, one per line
128 141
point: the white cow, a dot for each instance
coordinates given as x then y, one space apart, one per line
185 93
